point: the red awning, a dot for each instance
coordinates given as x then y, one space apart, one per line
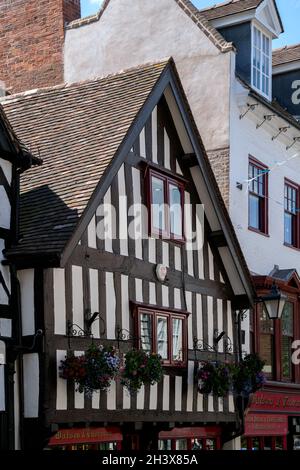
185 433
86 436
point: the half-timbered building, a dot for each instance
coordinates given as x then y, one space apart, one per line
14 159
110 147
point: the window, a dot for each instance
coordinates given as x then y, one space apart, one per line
278 360
163 333
166 206
258 196
261 62
266 342
287 337
291 214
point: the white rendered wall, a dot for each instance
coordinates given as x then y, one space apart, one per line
261 252
142 31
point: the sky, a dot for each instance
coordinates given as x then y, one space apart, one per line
289 11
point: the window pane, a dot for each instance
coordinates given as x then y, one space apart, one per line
287 333
288 228
146 332
175 210
287 319
181 444
253 211
266 340
286 357
164 445
158 199
162 337
177 339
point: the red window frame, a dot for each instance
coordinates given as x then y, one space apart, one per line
261 181
167 181
169 314
296 217
277 374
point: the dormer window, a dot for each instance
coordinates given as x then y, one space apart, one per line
261 62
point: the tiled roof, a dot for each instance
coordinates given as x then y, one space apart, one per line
283 274
187 6
76 129
286 54
229 8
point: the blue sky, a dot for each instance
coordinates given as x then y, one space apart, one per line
289 10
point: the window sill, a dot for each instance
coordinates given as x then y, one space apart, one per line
166 238
258 232
291 246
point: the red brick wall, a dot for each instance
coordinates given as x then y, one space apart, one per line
31 41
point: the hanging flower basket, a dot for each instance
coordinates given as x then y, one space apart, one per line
141 368
248 376
214 377
242 379
92 371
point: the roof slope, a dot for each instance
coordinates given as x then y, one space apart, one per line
229 8
286 54
77 130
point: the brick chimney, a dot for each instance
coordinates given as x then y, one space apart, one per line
32 40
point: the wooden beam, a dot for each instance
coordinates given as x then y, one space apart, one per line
106 261
218 239
93 416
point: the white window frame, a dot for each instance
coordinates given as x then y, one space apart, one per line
268 36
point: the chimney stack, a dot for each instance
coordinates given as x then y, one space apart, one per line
32 41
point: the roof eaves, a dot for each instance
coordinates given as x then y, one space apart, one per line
281 112
205 26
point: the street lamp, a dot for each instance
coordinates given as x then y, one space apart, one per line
273 303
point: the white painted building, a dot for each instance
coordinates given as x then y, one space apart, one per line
224 58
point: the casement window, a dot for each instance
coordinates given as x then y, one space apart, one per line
261 62
291 214
164 333
258 196
166 202
275 343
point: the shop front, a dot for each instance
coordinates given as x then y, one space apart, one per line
197 438
105 438
270 420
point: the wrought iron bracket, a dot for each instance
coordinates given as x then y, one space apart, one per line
76 331
250 107
125 336
281 130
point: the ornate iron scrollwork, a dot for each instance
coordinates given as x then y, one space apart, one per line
124 336
76 331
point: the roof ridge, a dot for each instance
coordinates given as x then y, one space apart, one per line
45 90
287 46
217 5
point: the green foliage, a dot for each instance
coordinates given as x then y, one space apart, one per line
92 371
243 378
141 368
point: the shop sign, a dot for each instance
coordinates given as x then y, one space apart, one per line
85 435
277 402
266 425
